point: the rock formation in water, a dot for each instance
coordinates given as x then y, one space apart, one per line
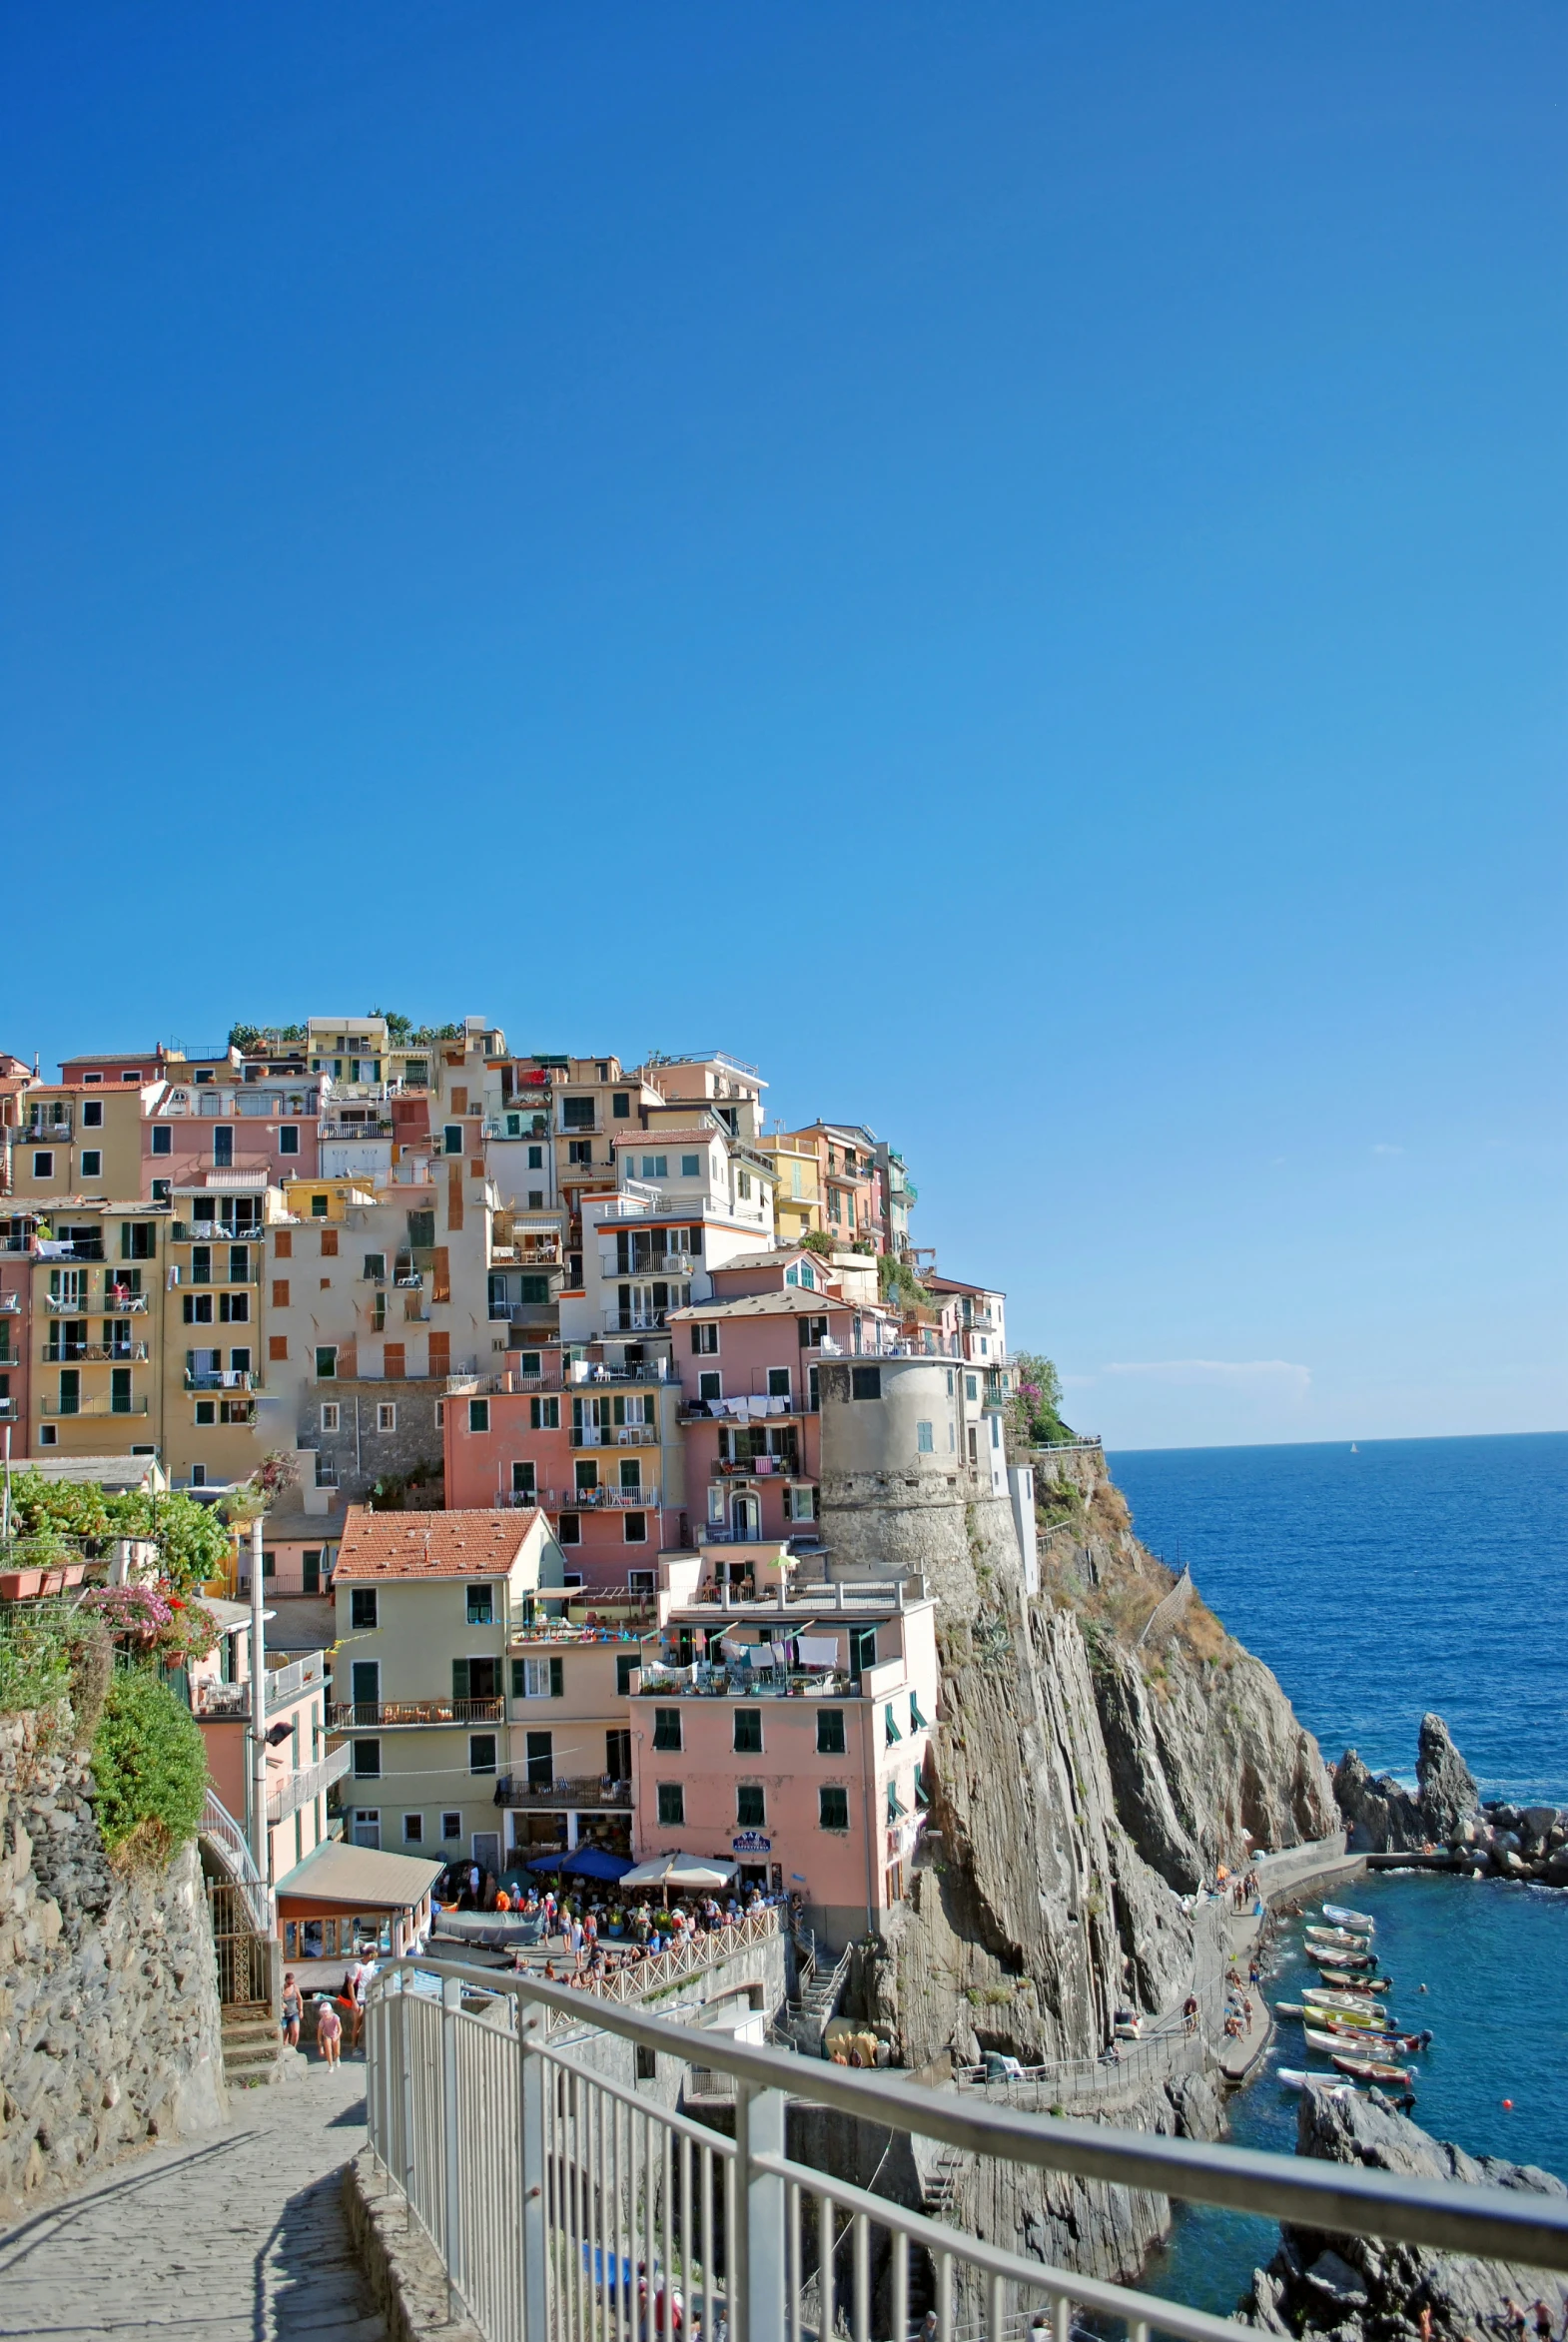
1350 2287
1082 1786
1444 1815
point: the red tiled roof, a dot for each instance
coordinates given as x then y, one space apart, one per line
432 1544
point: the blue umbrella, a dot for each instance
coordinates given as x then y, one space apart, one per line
548 1861
591 1862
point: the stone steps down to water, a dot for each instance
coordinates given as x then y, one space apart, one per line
1352 2287
1445 1817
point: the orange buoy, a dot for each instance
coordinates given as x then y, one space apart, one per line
1508 2102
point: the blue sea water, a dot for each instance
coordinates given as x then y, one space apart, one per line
1412 1574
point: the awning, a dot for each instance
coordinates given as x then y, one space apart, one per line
591 1862
361 1876
682 1870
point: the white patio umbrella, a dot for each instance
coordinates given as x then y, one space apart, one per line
682 1870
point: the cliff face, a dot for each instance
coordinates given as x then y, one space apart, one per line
1081 1788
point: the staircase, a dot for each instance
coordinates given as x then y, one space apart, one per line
255 2052
941 2189
817 1994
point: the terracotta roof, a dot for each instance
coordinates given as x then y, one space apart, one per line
951 1284
641 1138
431 1544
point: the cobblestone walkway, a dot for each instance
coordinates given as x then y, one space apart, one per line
238 2236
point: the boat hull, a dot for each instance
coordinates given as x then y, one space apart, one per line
1341 1917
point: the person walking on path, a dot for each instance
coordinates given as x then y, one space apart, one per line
292 2011
329 2030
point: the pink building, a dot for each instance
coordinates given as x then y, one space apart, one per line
789 1736
301 1766
208 1130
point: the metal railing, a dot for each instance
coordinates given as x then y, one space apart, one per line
387 1714
216 1231
556 2184
303 1788
613 1435
54 1407
233 1850
94 1353
589 1792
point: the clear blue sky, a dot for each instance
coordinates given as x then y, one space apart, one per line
1004 564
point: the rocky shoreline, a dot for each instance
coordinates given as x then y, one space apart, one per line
1445 1816
1361 2290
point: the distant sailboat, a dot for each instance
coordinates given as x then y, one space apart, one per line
1354 1451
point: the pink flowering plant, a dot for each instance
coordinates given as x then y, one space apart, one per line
140 1613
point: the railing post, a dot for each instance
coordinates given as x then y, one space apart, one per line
532 2079
452 2142
755 2275
406 2077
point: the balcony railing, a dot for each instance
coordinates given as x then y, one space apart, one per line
310 1782
45 1132
119 1301
53 1408
506 2091
588 1794
225 1272
67 1304
395 1715
221 1379
10 1304
214 1231
615 1435
219 1701
608 1499
94 1354
636 1320
57 1249
340 1126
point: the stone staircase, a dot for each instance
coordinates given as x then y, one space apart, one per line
941 2188
255 2052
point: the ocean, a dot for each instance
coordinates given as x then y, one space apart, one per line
1407 1575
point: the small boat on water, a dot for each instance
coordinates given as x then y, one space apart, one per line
1344 1981
1339 1964
1340 1939
1364 2045
1296 2078
1369 2069
1362 1921
1317 1996
1371 2019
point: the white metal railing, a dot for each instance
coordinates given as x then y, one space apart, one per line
303 1788
233 1849
568 2200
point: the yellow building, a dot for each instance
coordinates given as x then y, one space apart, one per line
76 1142
214 1340
97 1276
798 1198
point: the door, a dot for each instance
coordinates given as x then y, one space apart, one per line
119 1390
487 1851
541 1759
313 1572
70 1392
746 1519
364 1684
617 1755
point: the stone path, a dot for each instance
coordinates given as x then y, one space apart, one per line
235 2238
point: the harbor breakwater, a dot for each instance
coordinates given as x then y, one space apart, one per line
1446 1819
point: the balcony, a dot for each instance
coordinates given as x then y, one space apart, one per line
615 1435
681 1264
215 1232
56 1247
401 1715
53 1408
305 1786
46 1132
10 1304
94 1353
221 1378
589 1794
67 1304
637 1320
354 1126
605 1500
119 1301
214 1272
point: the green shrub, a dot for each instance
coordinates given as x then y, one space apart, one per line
150 1764
35 1662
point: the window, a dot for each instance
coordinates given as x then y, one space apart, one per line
813 1332
748 1732
327 1365
222 1147
367 1759
451 1827
647 2062
206 1412
451 1139
528 1362
234 1309
289 1139
480 1606
137 1240
539 1679
92 1114
778 1383
623 1667
865 1382
634 1528
802 1504
535 1159
974 1451
413 1829
43 1164
317 1207
282 1244
995 1430
672 1804
631 1475
570 1529
743 1184
163 1139
364 1686
832 1809
544 1415
375 1267
691 1167
655 1166
710 1384
621 1105
972 1388
92 1163
533 1288
705 1342
330 1415
522 1479
363 1608
577 1113
830 1732
666 1727
925 1439
328 1243
368 1827
162 1191
478 1415
579 1151
751 1806
481 1752
385 1416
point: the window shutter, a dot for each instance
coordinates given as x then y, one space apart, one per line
455 1199
328 1243
460 1098
278 1345
460 1678
440 1354
283 1244
392 1362
558 1679
440 1272
280 1293
518 1678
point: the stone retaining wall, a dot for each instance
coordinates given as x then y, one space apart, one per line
109 2029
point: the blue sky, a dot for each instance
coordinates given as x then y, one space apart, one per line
1005 565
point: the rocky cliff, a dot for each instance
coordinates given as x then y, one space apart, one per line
1445 1815
1083 1785
109 2015
1350 2287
